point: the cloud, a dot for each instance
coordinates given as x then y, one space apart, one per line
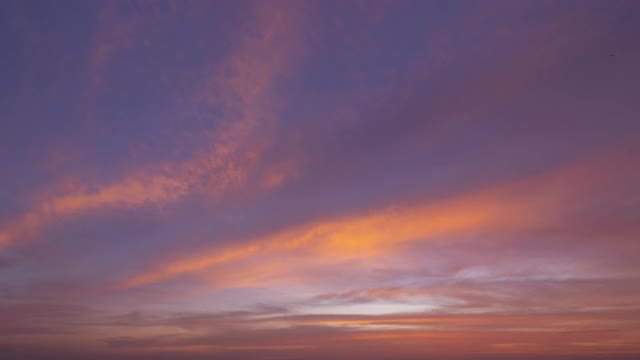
535 203
329 334
245 85
291 180
41 318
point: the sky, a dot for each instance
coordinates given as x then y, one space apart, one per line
319 180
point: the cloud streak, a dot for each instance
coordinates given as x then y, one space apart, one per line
504 209
246 81
314 180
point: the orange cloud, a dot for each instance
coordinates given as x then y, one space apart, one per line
245 85
530 203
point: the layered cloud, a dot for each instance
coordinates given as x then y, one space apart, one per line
377 180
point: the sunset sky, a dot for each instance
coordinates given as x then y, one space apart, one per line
190 180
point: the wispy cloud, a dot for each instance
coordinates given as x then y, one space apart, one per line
313 180
513 208
244 85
